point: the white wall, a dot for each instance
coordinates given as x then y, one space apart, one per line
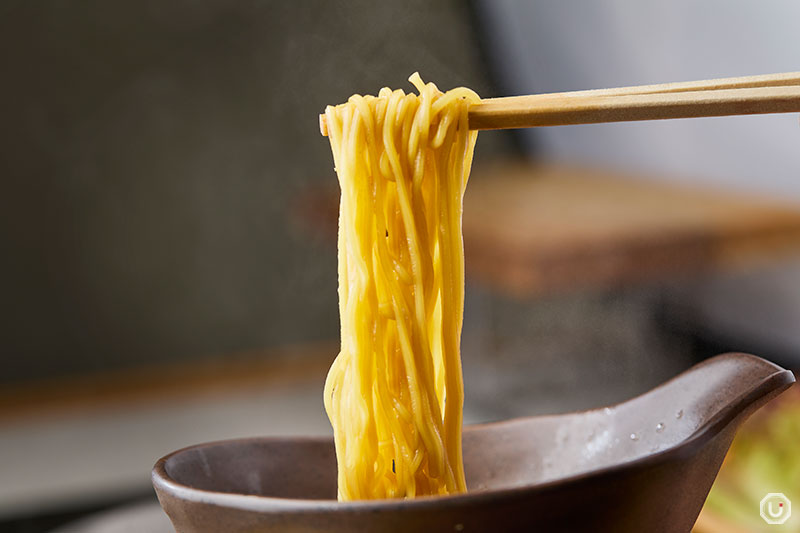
545 46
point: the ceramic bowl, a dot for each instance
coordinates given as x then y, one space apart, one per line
646 464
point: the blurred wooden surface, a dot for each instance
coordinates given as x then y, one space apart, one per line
91 440
544 228
155 384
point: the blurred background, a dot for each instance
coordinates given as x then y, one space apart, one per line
168 219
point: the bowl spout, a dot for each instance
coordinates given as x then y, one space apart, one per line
724 389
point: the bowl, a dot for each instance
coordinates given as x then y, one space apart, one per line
646 464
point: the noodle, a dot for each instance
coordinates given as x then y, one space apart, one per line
394 394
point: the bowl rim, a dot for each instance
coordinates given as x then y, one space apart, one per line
770 386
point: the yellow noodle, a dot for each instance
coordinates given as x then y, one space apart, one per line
394 394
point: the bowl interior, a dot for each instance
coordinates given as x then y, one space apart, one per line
281 468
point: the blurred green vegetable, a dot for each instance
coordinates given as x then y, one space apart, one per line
764 458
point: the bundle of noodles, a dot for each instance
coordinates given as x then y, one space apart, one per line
394 394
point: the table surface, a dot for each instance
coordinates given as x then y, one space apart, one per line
546 227
74 442
138 518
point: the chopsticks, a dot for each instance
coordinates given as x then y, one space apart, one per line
748 95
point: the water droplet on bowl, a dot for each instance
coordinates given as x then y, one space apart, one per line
660 427
679 414
634 436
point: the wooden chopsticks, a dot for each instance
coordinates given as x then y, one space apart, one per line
749 95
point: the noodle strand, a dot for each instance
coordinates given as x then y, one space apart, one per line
394 394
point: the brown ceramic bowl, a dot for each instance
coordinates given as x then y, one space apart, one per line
643 465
